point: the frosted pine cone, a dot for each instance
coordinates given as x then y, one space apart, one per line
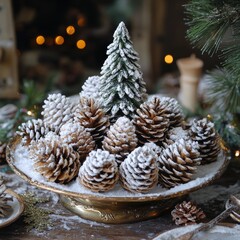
203 132
121 139
174 135
5 209
99 172
174 111
57 162
75 135
187 213
32 130
92 118
90 88
177 163
57 110
2 151
8 112
139 172
151 121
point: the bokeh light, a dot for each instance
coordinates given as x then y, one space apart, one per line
40 40
81 44
168 59
59 40
70 30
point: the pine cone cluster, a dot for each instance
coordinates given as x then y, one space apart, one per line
187 213
57 162
139 172
121 139
32 130
178 163
92 118
99 172
57 110
76 136
203 132
5 209
151 121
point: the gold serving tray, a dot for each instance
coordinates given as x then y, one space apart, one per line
115 209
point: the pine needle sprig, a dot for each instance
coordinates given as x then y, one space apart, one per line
208 23
223 90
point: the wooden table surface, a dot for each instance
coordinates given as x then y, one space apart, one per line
67 226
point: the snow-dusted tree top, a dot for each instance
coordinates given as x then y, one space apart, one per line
122 87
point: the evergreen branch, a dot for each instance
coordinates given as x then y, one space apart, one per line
225 124
223 90
208 23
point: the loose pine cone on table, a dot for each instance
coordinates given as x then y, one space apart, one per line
5 209
187 213
173 110
151 121
203 132
57 110
75 135
178 163
32 130
92 118
56 161
99 172
121 139
139 172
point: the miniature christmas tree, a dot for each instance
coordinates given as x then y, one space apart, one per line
122 86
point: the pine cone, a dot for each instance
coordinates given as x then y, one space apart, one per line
177 163
90 88
92 118
99 172
151 121
187 213
203 132
56 161
2 152
8 112
174 135
75 135
32 130
139 172
57 110
5 209
121 139
174 111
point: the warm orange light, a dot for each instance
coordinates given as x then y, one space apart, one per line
40 40
81 44
237 153
168 59
70 30
81 21
59 40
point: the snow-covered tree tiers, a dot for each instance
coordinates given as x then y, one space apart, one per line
122 86
123 138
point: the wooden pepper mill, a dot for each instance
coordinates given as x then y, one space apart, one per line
190 72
